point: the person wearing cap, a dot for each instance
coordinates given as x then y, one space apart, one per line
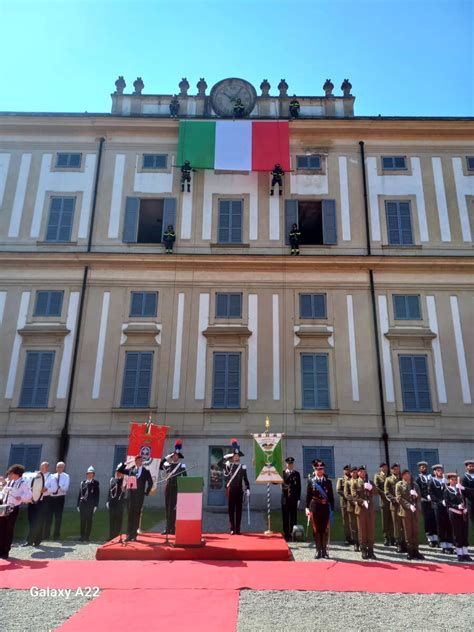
173 469
390 485
362 491
341 481
116 499
57 486
436 488
457 511
422 480
467 482
235 479
139 484
409 502
87 502
290 496
15 492
319 507
387 522
350 508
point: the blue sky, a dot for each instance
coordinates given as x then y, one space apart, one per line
403 57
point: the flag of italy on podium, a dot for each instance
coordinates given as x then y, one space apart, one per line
189 511
234 145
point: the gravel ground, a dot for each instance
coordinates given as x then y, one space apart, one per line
49 550
19 609
272 611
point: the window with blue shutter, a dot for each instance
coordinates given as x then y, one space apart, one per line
399 224
230 222
324 454
329 222
137 379
415 383
143 304
470 163
313 306
155 161
120 456
415 455
291 217
315 380
169 215
406 307
228 305
309 162
61 217
36 379
68 160
48 303
27 455
394 163
226 380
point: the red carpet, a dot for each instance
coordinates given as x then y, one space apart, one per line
218 546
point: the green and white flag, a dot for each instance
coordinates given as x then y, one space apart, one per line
268 458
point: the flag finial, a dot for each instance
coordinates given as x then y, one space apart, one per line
267 424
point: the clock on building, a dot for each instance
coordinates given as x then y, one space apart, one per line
225 93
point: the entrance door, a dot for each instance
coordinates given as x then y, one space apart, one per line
215 484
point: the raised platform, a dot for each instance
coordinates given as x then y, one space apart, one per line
217 546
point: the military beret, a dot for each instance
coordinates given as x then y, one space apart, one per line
422 463
438 466
289 459
469 462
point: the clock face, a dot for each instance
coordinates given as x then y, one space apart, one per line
225 93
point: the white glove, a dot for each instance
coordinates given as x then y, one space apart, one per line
78 509
107 505
460 487
412 508
367 486
298 504
428 497
307 512
461 507
247 492
227 463
413 493
95 509
366 504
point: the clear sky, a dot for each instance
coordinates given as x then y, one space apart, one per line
403 57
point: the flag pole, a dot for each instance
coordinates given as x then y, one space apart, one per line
269 525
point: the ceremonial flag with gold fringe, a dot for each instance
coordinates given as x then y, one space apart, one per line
148 441
268 458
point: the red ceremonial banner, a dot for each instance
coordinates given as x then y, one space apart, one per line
148 436
270 144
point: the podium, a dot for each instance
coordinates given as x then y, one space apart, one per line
189 511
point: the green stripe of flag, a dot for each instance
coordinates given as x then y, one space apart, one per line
190 484
196 143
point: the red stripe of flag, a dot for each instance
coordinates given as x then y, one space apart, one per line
270 144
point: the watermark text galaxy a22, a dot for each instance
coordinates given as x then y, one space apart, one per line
65 593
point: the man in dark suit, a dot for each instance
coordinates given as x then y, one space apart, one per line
290 496
139 485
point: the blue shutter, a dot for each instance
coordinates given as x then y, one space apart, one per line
387 162
41 305
319 305
236 221
329 222
55 303
37 379
32 457
291 217
130 223
235 305
308 381
221 305
324 453
120 456
224 222
400 307
43 381
314 162
414 383
150 304
219 380
137 379
414 455
226 380
399 162
322 380
233 380
306 308
136 307
315 381
169 215
67 217
17 455
392 224
406 235
144 380
55 208
413 307
129 379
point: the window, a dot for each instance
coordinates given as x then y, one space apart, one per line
27 455
470 163
399 223
155 161
414 383
137 379
37 379
315 380
313 306
226 382
394 163
414 455
326 455
230 222
308 162
143 304
406 307
61 217
68 161
228 305
120 456
316 220
48 303
147 219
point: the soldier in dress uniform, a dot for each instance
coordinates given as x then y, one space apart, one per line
319 506
409 502
387 522
457 511
362 491
116 502
277 178
235 479
468 482
390 493
290 496
350 508
422 480
173 469
87 502
436 488
341 481
294 107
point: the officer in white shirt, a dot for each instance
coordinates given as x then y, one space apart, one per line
37 511
57 486
15 492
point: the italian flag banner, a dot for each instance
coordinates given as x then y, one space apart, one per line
189 510
268 458
148 440
234 145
